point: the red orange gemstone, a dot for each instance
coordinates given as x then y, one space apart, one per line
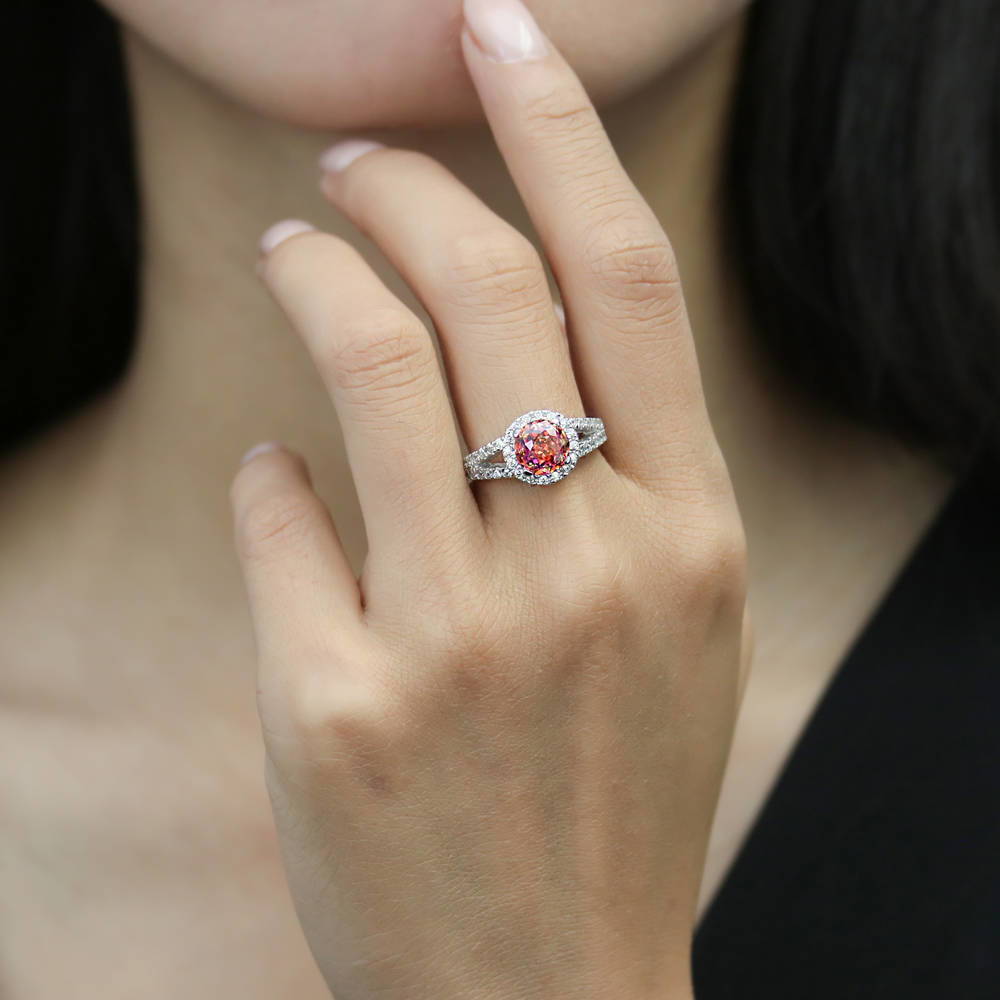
541 447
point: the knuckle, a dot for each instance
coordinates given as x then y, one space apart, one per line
590 590
475 666
477 649
628 264
561 113
340 729
598 590
279 518
500 271
384 353
717 563
579 615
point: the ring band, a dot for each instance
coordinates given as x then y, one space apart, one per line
540 447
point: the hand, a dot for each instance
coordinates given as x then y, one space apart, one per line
494 760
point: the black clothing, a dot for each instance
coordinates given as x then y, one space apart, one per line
873 870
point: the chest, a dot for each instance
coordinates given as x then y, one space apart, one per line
131 870
777 705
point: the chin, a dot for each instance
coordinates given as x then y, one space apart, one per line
327 67
352 64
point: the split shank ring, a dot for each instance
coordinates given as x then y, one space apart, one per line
540 447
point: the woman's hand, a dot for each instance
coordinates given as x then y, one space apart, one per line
494 759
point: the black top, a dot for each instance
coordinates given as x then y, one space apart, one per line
873 870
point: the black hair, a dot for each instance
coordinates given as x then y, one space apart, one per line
69 216
863 208
862 204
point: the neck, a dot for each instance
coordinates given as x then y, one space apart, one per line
139 481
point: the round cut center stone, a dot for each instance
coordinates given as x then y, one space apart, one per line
541 447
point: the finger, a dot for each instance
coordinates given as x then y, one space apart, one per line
299 581
482 281
378 361
634 354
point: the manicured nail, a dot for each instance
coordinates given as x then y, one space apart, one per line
505 30
260 449
342 154
281 231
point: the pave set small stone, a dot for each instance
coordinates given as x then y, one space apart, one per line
540 447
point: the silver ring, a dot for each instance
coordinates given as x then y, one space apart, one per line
540 447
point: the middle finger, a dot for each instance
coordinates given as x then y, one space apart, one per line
481 280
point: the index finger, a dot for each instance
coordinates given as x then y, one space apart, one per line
632 346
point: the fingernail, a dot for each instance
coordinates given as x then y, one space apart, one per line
560 312
260 449
342 154
505 30
281 231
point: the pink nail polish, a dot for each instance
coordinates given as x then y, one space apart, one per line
260 449
342 154
505 30
281 231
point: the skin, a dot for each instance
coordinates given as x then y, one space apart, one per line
349 64
154 840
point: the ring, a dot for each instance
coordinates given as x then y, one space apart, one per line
540 447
